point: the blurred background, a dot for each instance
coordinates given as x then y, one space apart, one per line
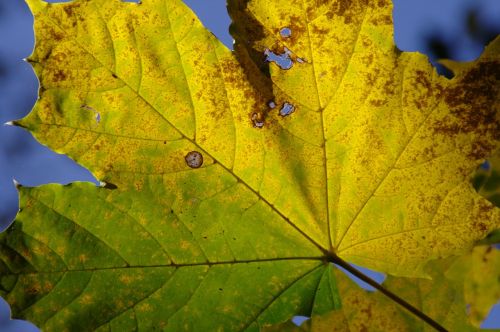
456 29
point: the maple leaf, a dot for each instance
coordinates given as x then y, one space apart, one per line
229 183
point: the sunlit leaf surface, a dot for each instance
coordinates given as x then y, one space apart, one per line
229 178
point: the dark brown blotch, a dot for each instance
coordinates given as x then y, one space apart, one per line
59 75
471 102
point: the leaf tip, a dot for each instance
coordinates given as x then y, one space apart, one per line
17 184
15 123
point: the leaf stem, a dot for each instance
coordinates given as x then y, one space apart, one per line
340 262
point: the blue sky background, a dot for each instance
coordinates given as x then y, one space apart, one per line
418 23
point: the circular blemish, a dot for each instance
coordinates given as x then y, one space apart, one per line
286 32
194 159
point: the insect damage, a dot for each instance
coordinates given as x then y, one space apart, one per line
287 109
286 32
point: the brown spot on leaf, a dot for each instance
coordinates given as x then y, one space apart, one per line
34 290
367 311
471 101
481 226
68 8
386 20
319 31
58 36
377 103
59 76
340 7
381 3
194 159
423 80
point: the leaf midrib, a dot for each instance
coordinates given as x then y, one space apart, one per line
271 206
176 266
325 168
127 264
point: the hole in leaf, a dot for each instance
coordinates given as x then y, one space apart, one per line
258 121
286 32
299 320
283 60
486 165
287 109
377 276
215 17
491 321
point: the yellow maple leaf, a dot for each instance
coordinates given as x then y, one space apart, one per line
230 175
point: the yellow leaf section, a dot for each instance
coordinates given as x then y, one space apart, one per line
479 273
132 88
400 140
440 298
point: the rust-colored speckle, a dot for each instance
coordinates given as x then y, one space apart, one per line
33 290
59 76
423 80
377 103
389 87
68 9
58 36
319 31
386 19
471 103
340 7
367 311
481 226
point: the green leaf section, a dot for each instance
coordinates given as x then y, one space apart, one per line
75 269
